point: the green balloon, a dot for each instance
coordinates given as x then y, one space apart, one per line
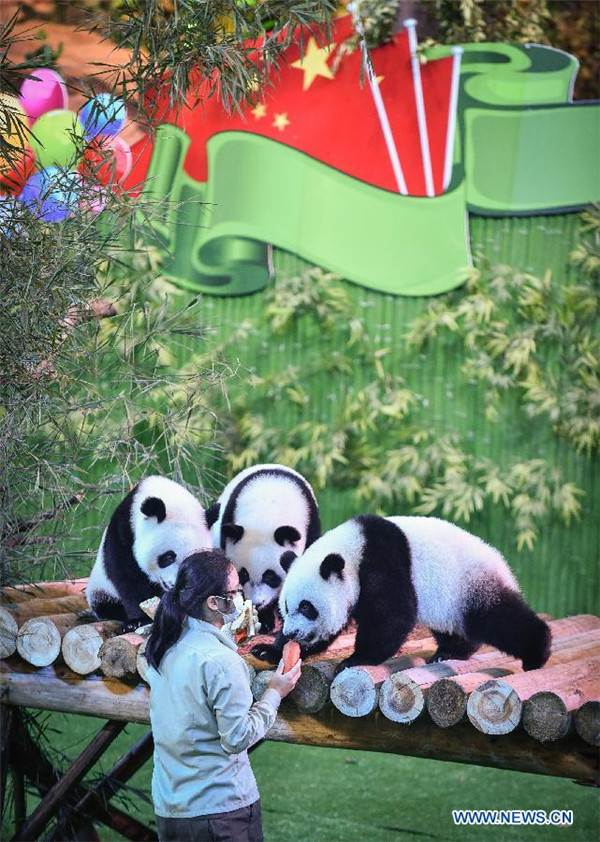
57 139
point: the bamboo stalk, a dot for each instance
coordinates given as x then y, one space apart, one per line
496 706
548 714
587 722
39 639
118 654
81 645
8 633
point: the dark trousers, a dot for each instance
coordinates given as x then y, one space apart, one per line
243 825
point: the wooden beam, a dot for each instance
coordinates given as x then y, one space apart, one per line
57 688
569 758
53 800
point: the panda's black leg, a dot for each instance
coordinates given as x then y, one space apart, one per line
452 646
511 626
380 638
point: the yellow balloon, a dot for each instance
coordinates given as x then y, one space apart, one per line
14 131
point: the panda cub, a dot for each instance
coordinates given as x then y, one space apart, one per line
151 531
389 573
265 517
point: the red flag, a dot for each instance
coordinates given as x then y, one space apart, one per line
322 105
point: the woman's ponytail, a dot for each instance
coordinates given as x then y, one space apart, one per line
199 576
166 629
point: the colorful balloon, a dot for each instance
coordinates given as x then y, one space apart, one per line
44 90
107 160
14 130
57 139
12 178
52 194
103 114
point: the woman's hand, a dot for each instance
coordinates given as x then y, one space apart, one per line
284 683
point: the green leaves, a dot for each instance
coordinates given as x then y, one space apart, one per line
532 338
374 439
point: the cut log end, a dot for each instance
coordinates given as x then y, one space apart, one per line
446 703
38 642
8 634
354 693
587 722
311 693
118 655
401 699
259 685
81 645
494 708
545 717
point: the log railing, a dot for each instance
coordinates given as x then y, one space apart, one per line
548 719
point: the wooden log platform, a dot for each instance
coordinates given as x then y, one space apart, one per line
57 688
553 722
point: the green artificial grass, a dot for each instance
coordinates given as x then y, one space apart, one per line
334 795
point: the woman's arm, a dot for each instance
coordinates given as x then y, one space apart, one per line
240 722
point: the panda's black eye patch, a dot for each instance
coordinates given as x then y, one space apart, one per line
271 579
244 576
308 610
165 559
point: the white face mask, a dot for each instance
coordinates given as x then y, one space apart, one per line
238 605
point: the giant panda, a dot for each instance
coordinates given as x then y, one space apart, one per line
265 517
389 573
151 531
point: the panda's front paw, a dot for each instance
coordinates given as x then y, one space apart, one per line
267 652
352 661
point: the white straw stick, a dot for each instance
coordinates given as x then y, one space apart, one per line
411 27
379 104
449 154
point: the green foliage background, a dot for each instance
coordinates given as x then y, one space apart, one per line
327 377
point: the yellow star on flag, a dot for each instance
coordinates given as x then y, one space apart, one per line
280 122
314 63
259 111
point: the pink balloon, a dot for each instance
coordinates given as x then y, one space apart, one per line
44 91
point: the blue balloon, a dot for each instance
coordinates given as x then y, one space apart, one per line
52 194
103 114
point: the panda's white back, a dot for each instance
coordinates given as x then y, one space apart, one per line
447 564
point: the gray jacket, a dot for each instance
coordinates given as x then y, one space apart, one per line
203 721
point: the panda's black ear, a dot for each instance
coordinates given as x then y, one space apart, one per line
287 559
286 535
212 514
332 563
154 507
233 531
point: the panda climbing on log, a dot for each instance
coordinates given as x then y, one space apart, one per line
151 531
266 516
389 573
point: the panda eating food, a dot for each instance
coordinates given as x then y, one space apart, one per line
151 531
265 517
389 573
